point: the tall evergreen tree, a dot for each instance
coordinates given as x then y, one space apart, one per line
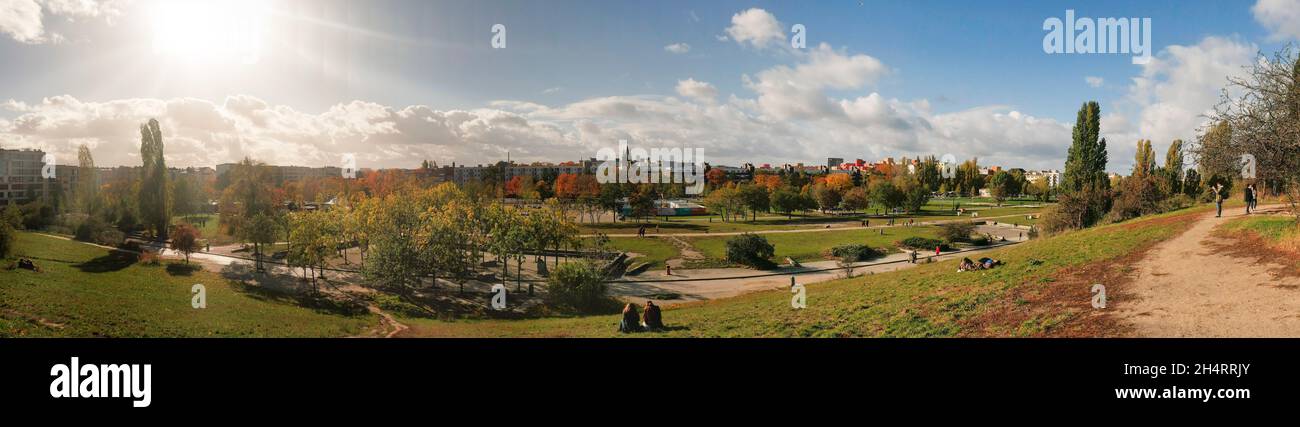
87 181
1085 164
155 212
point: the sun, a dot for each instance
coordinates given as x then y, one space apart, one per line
210 31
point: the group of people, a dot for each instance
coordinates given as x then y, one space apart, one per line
983 264
1250 195
652 320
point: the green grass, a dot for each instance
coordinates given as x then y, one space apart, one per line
1274 228
210 230
934 211
809 246
656 251
930 300
94 292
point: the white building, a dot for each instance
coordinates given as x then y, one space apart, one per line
20 176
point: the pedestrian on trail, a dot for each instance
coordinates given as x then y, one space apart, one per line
640 231
668 269
1254 198
1249 196
1218 198
936 249
911 257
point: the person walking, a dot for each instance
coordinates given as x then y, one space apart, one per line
1254 198
1218 198
1248 195
911 257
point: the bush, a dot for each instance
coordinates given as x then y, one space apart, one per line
37 215
7 236
95 230
956 231
922 244
577 286
1076 210
751 250
855 253
979 241
1136 196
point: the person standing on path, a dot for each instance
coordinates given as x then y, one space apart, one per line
1247 195
911 257
1218 198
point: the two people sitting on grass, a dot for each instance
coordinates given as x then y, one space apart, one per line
632 322
983 264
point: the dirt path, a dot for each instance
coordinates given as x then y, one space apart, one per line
1190 286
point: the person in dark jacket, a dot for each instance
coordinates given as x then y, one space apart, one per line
653 318
631 320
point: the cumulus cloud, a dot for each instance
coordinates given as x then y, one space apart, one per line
696 89
786 92
678 48
1094 81
755 27
24 20
1174 93
1282 17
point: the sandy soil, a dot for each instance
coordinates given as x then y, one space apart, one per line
1190 286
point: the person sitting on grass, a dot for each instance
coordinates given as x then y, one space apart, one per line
653 318
631 321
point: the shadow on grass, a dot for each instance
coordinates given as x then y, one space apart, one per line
178 269
113 261
286 289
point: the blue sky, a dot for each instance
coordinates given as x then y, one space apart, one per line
396 82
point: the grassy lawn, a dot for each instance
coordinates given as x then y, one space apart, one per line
809 246
1277 231
935 211
655 250
931 300
84 291
210 229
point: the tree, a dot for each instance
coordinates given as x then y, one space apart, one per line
786 201
751 250
885 194
1144 162
1174 166
261 232
1085 164
827 197
186 240
912 195
87 187
1000 186
8 235
155 210
856 199
755 199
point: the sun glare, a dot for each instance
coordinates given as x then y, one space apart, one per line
210 31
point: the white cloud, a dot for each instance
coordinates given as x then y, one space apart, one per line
786 92
1282 17
1094 81
1172 96
692 88
757 27
23 20
678 48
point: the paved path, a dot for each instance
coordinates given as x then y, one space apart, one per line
1189 287
899 223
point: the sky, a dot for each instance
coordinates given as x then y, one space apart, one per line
397 82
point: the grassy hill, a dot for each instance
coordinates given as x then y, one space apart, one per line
86 291
1042 290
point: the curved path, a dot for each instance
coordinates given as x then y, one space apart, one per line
814 229
1191 286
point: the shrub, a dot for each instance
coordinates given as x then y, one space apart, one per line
979 241
855 252
751 250
1136 196
89 229
956 231
1076 210
922 244
577 286
7 236
37 215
